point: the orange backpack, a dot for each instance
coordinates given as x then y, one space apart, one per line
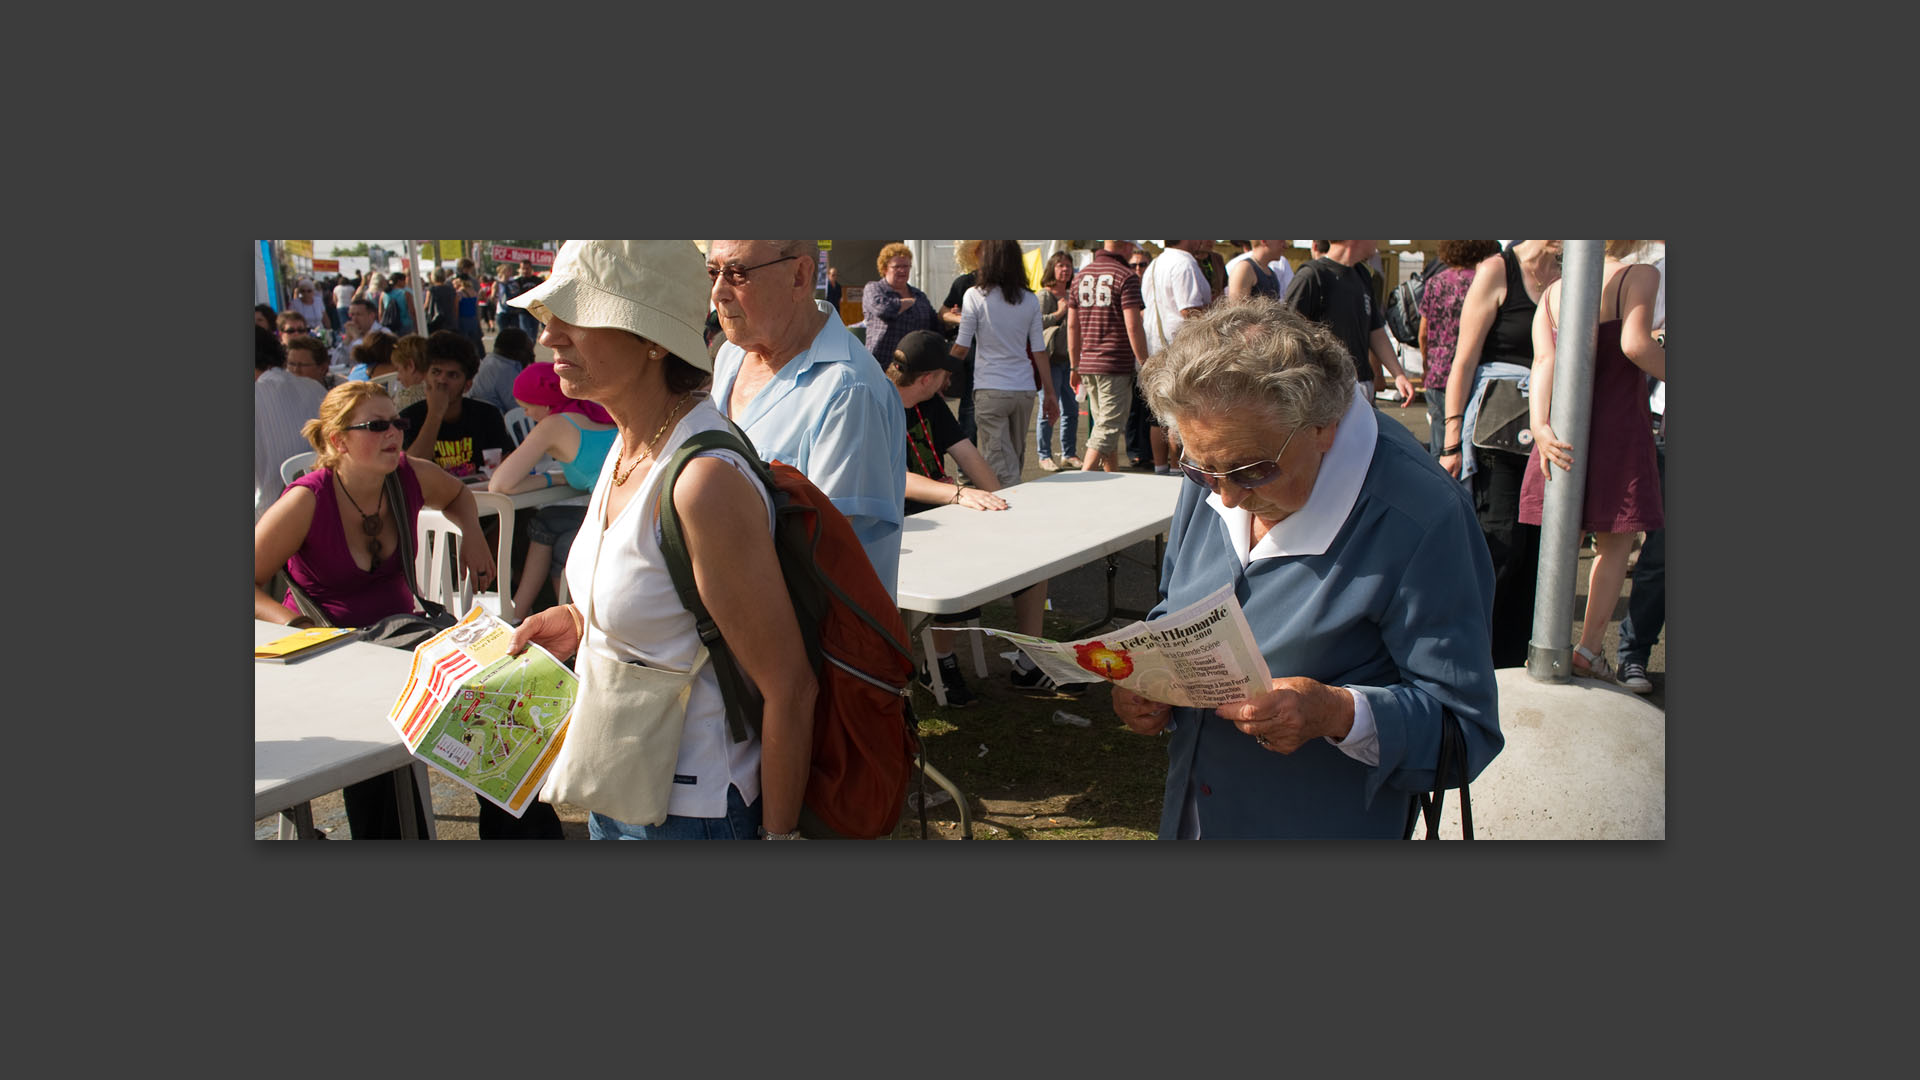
865 737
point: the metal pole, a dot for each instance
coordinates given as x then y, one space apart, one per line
1550 652
413 294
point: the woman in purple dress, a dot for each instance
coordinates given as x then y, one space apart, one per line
336 531
1623 478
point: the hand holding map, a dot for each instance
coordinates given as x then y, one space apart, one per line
491 721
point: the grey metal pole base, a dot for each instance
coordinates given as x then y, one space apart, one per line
1549 665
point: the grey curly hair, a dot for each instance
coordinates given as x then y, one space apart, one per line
1255 351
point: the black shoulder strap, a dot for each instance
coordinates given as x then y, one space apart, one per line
743 703
396 496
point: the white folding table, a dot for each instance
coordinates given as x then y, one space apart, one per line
954 557
320 723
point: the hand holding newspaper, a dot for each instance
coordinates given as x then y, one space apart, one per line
1202 656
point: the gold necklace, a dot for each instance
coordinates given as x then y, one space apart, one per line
646 451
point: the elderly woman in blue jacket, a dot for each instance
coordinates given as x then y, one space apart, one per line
1362 572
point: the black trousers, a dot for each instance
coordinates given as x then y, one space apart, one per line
538 823
1514 547
373 811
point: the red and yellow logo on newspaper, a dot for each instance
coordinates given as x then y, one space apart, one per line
1102 661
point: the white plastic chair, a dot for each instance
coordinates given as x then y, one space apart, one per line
297 466
391 381
436 551
519 425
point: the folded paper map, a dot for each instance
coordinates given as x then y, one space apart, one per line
492 722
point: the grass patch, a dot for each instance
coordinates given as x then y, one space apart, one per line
1038 779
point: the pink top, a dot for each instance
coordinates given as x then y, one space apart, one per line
324 565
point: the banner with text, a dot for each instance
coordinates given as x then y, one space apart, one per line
537 256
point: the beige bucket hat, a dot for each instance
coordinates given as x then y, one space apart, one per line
655 288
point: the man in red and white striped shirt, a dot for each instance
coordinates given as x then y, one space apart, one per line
1106 339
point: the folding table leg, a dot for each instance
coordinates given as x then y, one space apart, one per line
410 785
966 819
296 823
933 668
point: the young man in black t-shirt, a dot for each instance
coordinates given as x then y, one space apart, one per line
1334 291
449 429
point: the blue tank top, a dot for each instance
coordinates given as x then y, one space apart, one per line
584 470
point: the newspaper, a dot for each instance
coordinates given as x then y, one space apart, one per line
492 722
1202 656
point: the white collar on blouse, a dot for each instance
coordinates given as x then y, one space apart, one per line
1311 529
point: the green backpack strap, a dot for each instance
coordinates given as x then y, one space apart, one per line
743 702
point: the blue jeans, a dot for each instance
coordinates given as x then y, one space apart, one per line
1647 603
1069 415
741 823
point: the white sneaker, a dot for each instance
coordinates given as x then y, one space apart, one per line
1047 464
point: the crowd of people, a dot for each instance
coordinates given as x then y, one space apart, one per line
1384 580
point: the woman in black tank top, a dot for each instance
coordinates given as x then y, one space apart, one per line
1496 323
1510 338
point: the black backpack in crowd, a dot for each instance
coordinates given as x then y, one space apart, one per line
1403 305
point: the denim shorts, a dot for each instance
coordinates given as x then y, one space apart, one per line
556 527
741 823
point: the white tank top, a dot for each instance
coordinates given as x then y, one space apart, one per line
637 616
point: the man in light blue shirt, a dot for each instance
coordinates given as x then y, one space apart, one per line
807 392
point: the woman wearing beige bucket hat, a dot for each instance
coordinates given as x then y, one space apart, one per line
623 318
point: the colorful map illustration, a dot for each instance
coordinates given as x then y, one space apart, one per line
498 723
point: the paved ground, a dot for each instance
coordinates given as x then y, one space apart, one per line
456 810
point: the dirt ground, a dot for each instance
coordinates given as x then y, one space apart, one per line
1026 774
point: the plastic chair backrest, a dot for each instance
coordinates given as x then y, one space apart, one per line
519 425
502 508
436 559
434 562
391 380
296 466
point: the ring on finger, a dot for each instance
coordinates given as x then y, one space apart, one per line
1261 739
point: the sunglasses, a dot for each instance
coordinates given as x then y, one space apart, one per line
737 275
379 427
1247 476
1137 266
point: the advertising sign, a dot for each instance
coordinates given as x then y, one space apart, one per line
302 248
538 257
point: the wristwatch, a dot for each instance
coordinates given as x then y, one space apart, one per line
794 835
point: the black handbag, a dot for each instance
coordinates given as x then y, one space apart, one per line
1451 772
405 630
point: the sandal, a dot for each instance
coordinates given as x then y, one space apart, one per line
1596 666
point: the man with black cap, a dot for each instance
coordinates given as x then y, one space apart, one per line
922 367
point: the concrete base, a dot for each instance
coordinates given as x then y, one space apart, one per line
1584 760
